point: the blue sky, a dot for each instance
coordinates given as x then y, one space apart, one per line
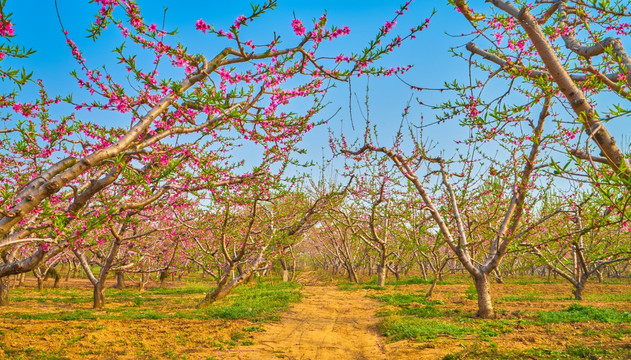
37 26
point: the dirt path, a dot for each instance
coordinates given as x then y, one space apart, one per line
327 324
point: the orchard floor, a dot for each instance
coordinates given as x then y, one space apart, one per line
333 320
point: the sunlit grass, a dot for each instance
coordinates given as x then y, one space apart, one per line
261 301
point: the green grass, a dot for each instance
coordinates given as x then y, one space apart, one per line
411 305
261 301
192 288
569 353
609 297
49 295
428 311
63 316
399 328
471 293
404 299
579 313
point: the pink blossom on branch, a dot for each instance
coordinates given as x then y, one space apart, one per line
201 25
299 29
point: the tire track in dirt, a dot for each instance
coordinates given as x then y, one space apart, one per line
327 324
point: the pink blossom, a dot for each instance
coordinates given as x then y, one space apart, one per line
201 25
299 29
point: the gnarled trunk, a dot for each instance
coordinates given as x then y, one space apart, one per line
222 290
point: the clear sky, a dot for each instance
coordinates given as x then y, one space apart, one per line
37 26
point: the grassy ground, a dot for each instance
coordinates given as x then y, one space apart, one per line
536 319
156 323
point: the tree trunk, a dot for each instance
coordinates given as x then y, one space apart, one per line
222 291
21 279
293 267
163 277
283 264
352 274
394 270
40 283
144 278
498 278
4 291
578 291
485 304
381 275
120 280
250 278
98 296
431 289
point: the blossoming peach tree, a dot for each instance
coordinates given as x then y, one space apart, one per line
167 108
548 57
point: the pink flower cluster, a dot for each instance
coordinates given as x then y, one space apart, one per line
201 25
6 28
299 29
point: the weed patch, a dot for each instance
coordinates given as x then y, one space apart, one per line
579 313
399 328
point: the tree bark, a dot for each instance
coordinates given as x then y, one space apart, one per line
40 283
144 278
424 271
485 304
579 286
352 274
4 291
222 290
163 277
381 275
120 280
283 264
431 289
98 299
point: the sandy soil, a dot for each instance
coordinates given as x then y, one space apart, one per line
329 324
333 324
